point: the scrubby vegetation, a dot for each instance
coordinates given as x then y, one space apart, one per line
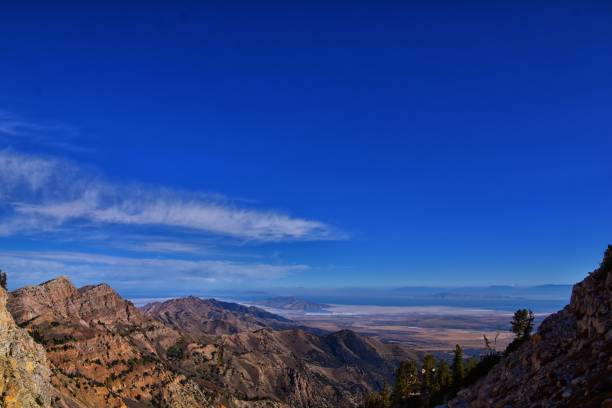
435 382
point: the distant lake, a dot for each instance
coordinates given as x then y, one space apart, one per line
471 302
509 304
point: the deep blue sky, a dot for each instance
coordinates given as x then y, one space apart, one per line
421 143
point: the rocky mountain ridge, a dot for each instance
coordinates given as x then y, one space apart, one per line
205 317
105 352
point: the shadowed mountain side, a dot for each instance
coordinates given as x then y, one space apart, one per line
299 368
567 363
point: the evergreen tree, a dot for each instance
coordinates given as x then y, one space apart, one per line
407 384
3 279
429 375
458 367
443 375
522 323
385 396
443 384
374 400
470 365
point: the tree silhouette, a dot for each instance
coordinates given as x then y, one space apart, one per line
522 323
458 366
407 384
3 279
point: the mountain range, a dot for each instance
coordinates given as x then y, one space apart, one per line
102 351
68 347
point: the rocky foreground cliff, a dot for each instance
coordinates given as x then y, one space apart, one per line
567 363
24 376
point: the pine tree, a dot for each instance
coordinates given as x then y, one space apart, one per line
522 323
471 364
458 366
406 382
385 396
428 373
374 400
3 279
443 375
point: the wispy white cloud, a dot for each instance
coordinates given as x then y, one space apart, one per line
167 247
40 192
36 266
17 130
11 125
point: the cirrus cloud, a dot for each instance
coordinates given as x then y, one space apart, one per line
42 193
136 273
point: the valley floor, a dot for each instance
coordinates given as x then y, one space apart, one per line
426 328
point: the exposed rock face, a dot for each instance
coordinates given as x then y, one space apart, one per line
568 363
199 317
103 351
24 376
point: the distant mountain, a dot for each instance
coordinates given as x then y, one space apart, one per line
294 304
565 364
200 317
497 291
104 352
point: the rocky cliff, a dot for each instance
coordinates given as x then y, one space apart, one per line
567 363
102 350
24 376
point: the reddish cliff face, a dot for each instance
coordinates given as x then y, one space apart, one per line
567 363
102 350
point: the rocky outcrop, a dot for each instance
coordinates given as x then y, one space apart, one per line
59 300
24 376
567 363
102 350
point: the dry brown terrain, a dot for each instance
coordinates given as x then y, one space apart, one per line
419 328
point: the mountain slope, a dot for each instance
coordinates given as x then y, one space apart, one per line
24 376
253 357
296 367
567 363
199 317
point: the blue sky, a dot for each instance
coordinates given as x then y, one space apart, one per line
201 145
